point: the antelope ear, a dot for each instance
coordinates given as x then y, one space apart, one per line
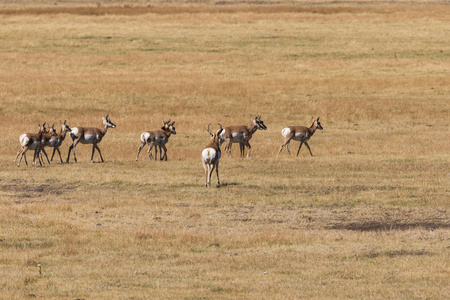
164 123
173 122
107 117
318 119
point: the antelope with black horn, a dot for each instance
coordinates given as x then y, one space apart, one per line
241 134
89 135
301 134
158 138
30 141
211 155
56 141
51 133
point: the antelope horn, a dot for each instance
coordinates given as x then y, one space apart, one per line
210 133
220 125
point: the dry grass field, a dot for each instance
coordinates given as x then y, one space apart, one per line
366 218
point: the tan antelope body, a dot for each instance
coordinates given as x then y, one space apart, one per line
301 134
89 135
30 141
158 138
51 133
56 141
211 156
241 134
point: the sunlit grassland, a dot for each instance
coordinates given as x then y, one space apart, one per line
366 217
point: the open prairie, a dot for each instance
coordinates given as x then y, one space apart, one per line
366 218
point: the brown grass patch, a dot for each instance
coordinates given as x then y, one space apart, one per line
351 222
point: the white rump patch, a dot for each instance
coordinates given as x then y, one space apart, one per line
23 139
285 131
209 154
74 131
145 136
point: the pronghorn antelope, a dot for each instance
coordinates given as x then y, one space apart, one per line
211 156
44 141
30 141
56 141
158 138
89 135
299 133
241 134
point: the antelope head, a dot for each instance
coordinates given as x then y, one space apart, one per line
219 135
167 126
260 123
52 131
64 126
107 122
215 137
44 130
316 123
172 128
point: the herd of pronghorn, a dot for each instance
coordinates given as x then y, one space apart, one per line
48 137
